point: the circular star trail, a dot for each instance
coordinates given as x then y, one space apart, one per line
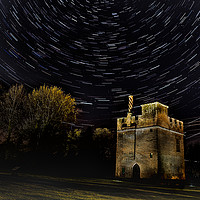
103 50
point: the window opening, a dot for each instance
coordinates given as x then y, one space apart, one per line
123 171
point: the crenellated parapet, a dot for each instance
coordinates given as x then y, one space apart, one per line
176 124
153 114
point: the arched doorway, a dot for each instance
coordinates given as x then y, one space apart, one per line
136 172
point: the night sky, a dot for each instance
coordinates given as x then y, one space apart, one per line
101 51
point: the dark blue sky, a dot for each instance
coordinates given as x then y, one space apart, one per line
103 50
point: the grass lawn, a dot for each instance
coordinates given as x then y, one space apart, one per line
35 187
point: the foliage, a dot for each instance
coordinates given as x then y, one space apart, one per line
105 141
41 121
72 144
51 105
51 113
192 151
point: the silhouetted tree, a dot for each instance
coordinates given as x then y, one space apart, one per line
12 115
12 111
192 152
105 142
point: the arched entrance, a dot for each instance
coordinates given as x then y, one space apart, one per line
136 172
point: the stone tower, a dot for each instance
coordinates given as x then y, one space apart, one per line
150 145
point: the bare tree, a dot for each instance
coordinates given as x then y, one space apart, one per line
12 108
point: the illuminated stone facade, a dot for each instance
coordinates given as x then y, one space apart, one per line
150 145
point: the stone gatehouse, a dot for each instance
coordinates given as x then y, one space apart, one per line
150 145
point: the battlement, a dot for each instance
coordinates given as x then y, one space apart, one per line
153 114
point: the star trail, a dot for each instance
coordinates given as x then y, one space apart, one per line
103 50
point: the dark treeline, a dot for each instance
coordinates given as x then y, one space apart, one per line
38 130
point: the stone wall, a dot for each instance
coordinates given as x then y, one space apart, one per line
154 149
137 147
146 152
125 153
171 155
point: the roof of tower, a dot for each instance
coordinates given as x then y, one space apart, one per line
155 103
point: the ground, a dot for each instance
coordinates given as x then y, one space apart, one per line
36 187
